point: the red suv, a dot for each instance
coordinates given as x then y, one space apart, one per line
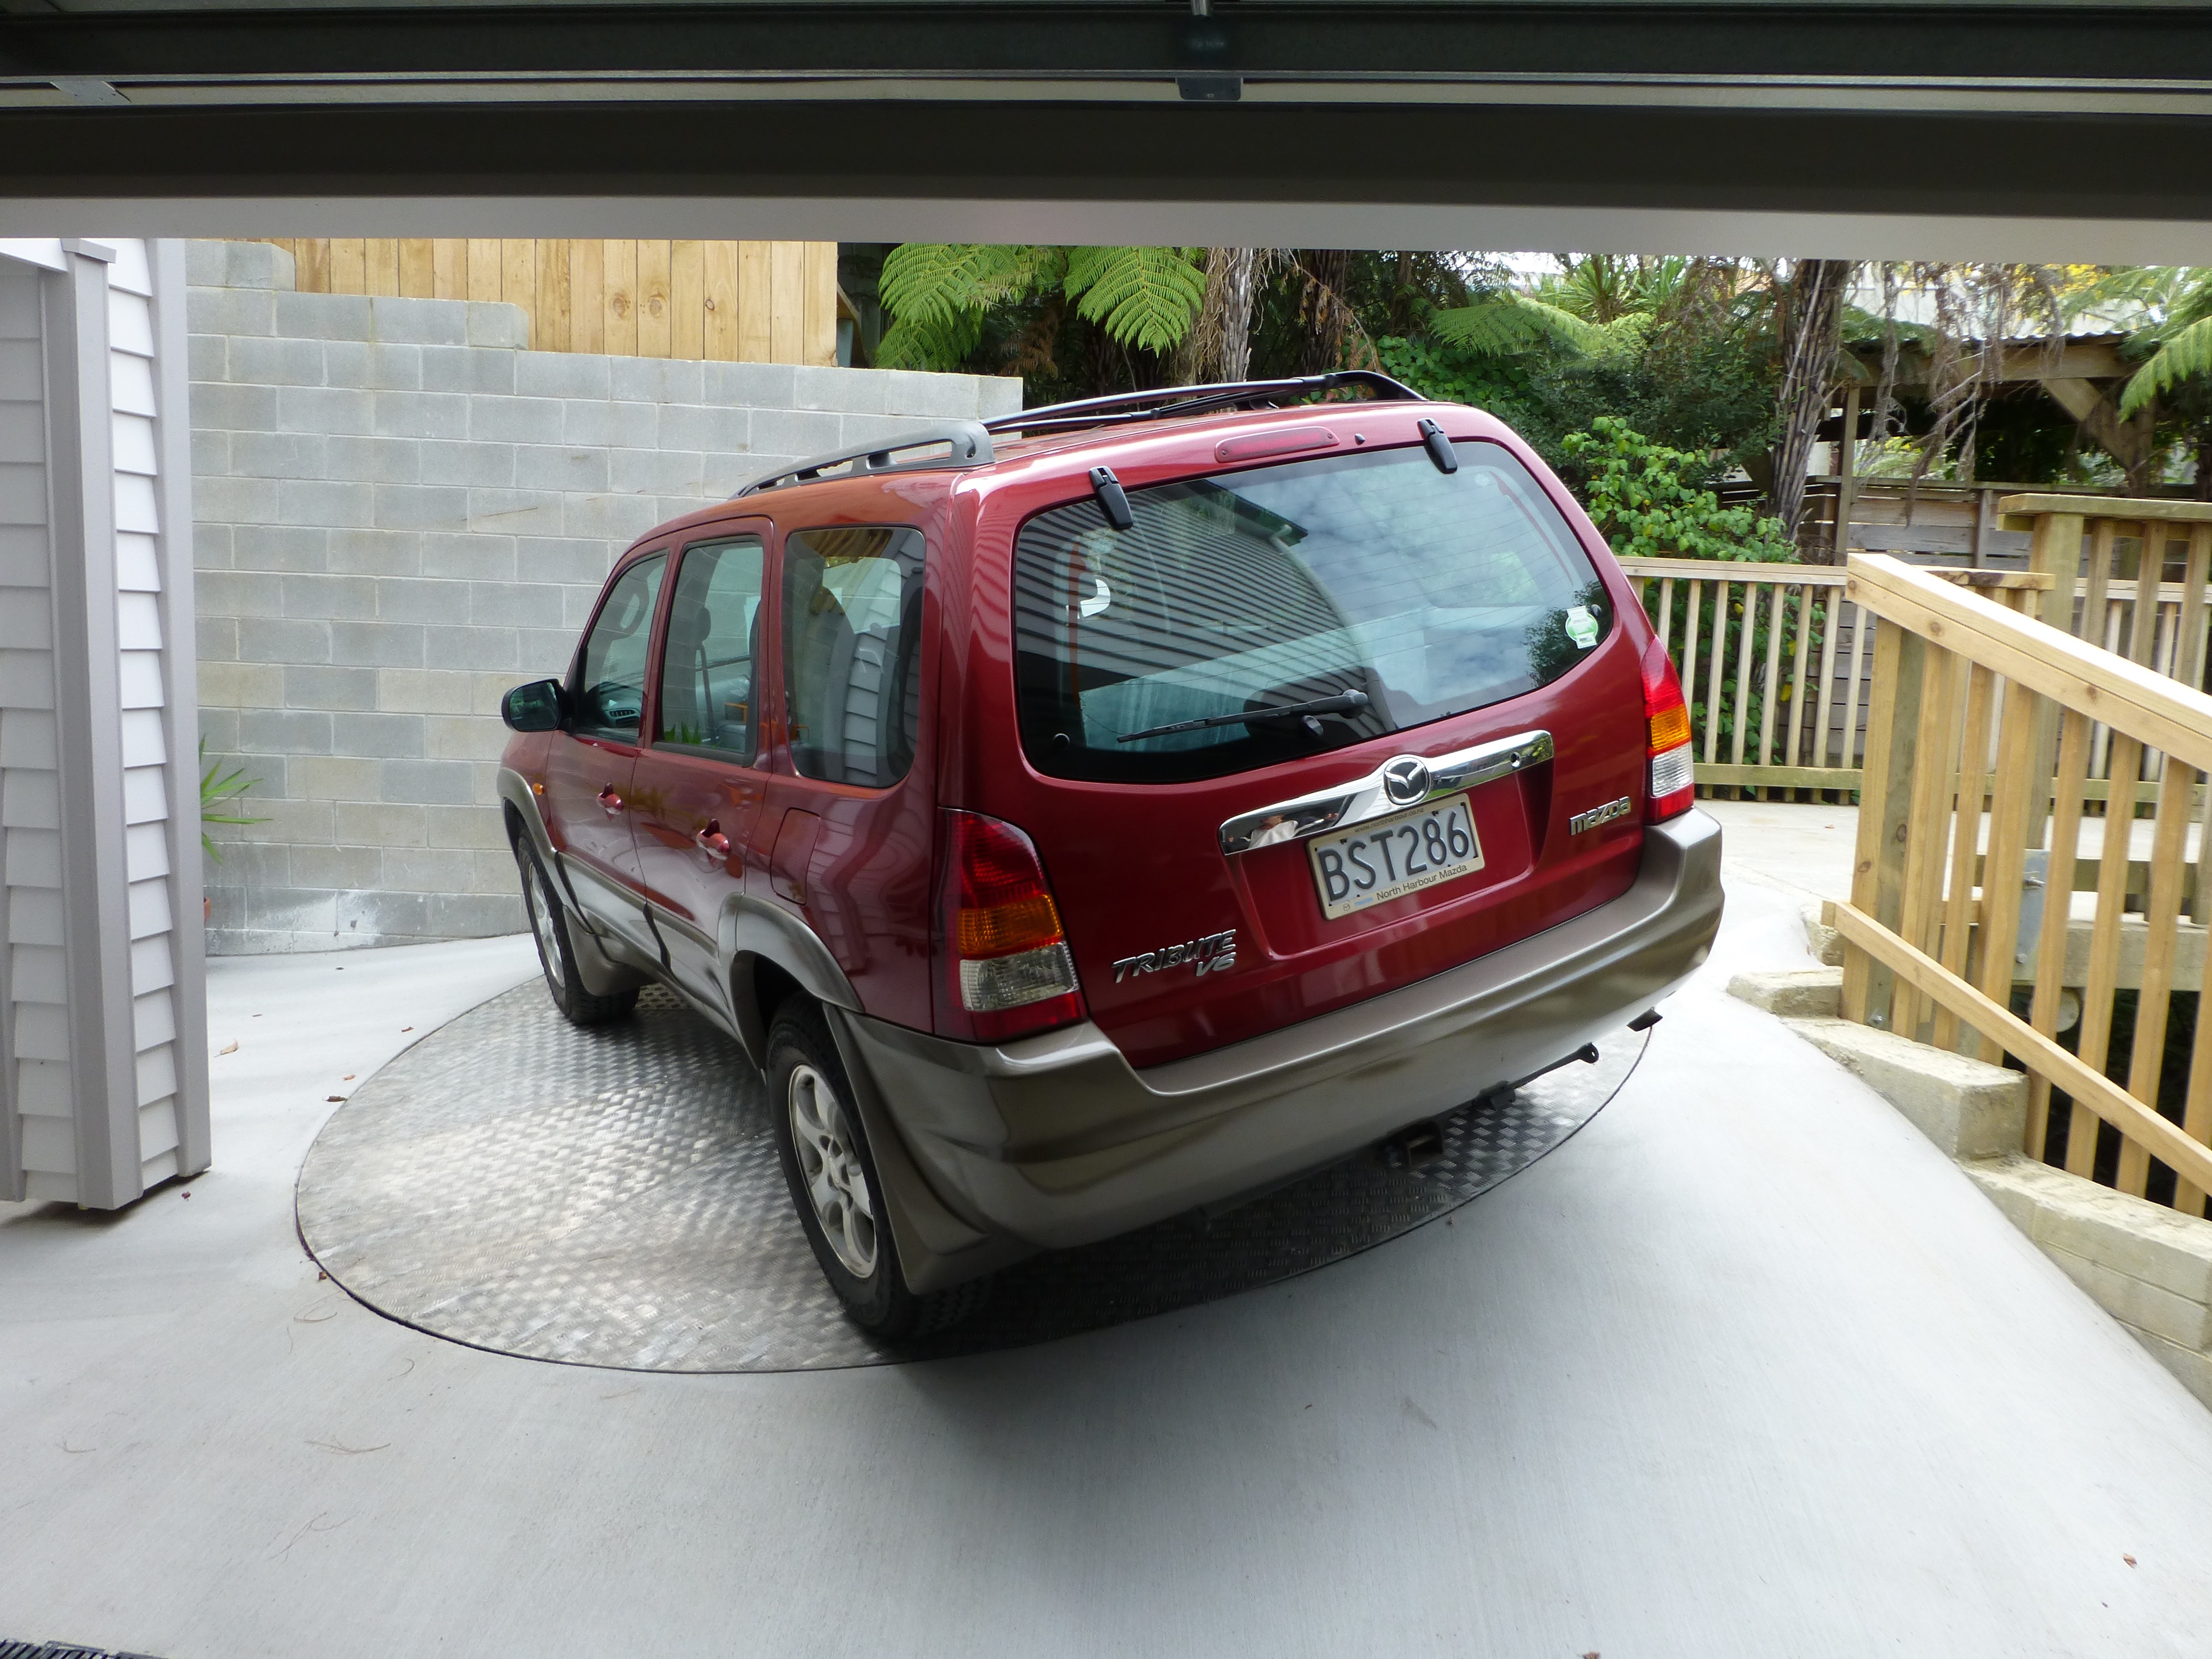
1115 809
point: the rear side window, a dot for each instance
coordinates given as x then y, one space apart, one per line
609 690
1372 585
851 652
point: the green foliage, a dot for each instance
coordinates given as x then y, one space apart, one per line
2183 354
944 297
1453 377
1146 297
218 790
1638 494
1504 322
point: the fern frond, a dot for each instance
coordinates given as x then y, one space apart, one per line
1142 296
2186 354
930 283
1502 324
941 345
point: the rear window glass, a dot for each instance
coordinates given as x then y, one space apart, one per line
1383 590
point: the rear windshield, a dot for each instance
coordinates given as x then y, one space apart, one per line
1373 587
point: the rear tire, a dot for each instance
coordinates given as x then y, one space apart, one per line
550 925
831 1172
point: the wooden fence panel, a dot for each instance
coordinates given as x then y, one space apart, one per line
720 301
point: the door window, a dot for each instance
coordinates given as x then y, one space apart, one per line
609 690
707 695
851 652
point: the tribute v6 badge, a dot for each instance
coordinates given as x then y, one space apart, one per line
1209 955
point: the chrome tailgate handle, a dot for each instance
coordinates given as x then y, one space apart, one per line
1404 782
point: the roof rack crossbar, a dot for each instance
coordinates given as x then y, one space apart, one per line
968 444
1170 402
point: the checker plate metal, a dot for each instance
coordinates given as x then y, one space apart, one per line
613 1197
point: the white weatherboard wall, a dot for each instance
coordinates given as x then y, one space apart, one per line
103 1074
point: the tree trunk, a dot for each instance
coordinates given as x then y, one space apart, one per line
1812 311
1329 270
1219 344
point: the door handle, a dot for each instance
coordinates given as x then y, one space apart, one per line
611 800
711 840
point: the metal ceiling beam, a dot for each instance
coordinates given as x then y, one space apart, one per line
1989 45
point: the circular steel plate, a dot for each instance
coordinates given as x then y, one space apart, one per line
613 1197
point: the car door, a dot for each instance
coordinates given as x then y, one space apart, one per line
591 764
696 794
848 824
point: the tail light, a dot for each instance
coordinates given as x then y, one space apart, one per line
1666 720
1005 968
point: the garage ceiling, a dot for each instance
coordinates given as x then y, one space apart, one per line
1995 130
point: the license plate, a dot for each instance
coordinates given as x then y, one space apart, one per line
1389 858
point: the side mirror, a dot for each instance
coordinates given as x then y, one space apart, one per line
540 706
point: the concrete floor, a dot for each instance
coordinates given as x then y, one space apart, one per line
1745 1368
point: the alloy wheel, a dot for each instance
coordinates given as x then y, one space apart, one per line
837 1184
541 924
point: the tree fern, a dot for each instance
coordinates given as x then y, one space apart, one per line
1500 324
932 283
2185 354
1142 296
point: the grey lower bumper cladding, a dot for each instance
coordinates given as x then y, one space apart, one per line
1059 1141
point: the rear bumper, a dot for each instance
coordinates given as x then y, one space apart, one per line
1057 1141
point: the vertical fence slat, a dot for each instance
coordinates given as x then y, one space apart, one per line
1832 617
2162 913
2104 975
1862 625
2005 869
1936 747
1968 777
1686 664
1800 692
1769 693
2189 668
1666 611
2057 914
1713 682
1746 631
1892 715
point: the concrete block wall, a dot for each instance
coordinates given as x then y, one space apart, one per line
401 513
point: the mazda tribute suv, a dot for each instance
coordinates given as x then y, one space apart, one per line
1116 808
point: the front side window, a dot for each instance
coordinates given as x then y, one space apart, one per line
609 690
1260 615
707 667
851 652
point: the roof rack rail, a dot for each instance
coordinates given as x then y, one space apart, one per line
969 445
1170 402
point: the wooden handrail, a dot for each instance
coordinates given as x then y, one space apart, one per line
2092 1089
2028 509
2149 707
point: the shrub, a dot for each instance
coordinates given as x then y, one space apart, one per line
1637 496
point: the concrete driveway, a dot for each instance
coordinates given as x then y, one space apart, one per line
1745 1368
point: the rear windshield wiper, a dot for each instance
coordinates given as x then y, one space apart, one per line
1344 702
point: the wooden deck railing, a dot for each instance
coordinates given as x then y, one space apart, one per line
1749 695
1980 748
1774 658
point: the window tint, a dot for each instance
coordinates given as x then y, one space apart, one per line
851 652
1425 593
706 697
609 689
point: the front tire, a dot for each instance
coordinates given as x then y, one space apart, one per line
548 925
834 1185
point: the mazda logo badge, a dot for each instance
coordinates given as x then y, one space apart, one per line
1406 781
